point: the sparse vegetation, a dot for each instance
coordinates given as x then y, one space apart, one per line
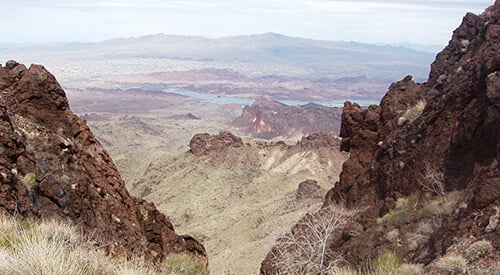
478 250
30 180
433 181
386 263
411 269
453 264
442 206
184 264
491 270
411 114
393 236
30 247
305 249
401 213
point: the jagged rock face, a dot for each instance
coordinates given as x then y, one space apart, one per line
269 119
53 167
450 123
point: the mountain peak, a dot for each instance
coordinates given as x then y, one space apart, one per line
53 167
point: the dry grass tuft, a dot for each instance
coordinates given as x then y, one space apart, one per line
48 247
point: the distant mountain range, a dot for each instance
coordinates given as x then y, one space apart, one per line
267 53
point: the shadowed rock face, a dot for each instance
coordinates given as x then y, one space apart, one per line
450 123
268 119
52 166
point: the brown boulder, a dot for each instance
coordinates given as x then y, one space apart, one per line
52 166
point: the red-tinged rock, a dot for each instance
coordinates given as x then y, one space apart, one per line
52 166
450 124
269 119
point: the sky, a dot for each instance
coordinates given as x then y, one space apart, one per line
370 21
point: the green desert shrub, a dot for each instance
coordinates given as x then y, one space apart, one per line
453 264
184 264
441 206
387 263
478 250
401 213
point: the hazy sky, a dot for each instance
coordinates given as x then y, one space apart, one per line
374 21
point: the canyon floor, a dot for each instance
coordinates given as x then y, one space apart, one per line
236 201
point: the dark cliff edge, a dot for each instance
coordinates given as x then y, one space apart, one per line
448 127
52 167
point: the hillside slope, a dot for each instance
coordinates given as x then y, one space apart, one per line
242 192
53 167
423 169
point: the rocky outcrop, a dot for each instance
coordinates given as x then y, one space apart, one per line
204 144
308 189
319 140
52 166
269 119
448 126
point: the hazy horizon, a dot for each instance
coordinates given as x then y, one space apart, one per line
368 21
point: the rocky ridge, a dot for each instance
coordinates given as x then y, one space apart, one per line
269 119
442 134
53 167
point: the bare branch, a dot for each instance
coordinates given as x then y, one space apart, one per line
305 248
433 181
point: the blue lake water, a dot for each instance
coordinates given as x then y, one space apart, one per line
216 99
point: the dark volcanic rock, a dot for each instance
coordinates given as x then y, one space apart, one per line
450 124
268 119
52 166
204 144
308 189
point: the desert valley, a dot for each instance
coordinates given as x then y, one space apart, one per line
258 154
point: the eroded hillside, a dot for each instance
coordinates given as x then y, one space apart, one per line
237 194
